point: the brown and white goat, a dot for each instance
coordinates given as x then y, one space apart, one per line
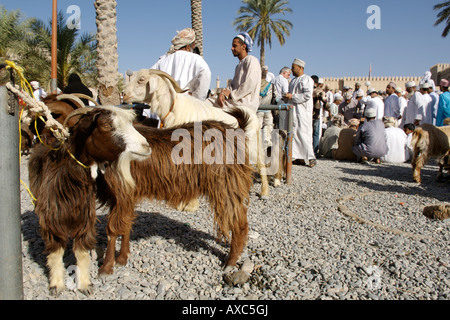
211 165
428 141
63 182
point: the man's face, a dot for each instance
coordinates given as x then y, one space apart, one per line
390 90
237 48
296 70
287 74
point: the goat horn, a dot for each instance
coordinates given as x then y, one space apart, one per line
83 96
59 108
163 74
77 112
71 97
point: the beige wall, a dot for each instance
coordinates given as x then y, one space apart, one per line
438 71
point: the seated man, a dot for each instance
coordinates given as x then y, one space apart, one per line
346 142
245 88
329 141
396 141
370 142
188 69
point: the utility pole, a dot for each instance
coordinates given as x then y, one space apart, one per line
11 279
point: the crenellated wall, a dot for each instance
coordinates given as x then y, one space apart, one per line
438 71
379 83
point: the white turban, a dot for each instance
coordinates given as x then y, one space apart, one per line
182 39
35 85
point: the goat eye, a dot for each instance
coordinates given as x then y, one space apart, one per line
141 80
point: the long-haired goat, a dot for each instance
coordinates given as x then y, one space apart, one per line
174 108
207 162
63 182
428 141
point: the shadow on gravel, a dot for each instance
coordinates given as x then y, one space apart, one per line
429 186
146 225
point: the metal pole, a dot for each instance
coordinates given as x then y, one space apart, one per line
290 111
54 51
11 280
290 136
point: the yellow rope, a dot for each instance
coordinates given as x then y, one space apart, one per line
25 85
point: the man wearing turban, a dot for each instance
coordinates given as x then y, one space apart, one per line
189 69
245 87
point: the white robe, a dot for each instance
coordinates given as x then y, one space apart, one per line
281 85
374 103
246 84
412 111
302 90
396 142
190 70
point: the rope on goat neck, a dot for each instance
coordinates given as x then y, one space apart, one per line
170 111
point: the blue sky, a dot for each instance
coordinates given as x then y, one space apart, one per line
331 36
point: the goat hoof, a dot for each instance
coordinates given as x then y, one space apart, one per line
55 291
122 261
87 291
105 271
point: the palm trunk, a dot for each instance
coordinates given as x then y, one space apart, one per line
197 23
263 55
108 59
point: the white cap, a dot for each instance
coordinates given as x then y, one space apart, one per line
410 84
320 80
371 90
299 62
425 85
34 85
398 89
337 96
370 113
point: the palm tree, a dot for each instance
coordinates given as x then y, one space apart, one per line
108 58
197 23
443 16
13 32
29 44
257 18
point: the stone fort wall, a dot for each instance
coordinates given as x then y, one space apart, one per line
438 71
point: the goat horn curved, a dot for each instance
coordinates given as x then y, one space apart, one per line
77 112
163 74
59 108
71 97
83 96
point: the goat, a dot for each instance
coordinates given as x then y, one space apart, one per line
63 181
168 101
428 141
165 177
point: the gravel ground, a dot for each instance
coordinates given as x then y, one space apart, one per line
301 245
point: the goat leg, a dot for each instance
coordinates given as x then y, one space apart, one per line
56 266
110 256
122 259
84 284
238 241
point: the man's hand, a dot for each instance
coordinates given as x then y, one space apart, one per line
224 95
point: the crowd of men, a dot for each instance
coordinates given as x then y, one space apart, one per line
348 125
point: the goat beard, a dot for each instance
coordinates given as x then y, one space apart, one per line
123 168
